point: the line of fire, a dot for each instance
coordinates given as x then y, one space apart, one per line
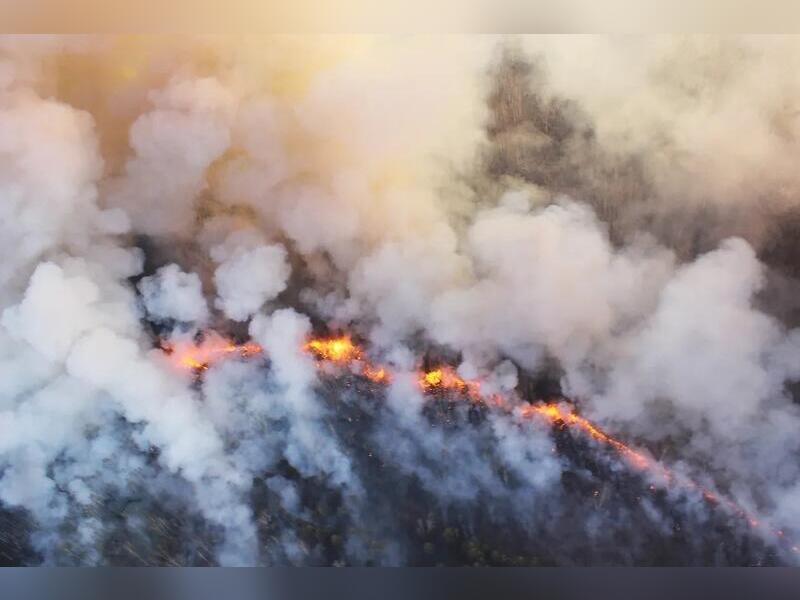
442 381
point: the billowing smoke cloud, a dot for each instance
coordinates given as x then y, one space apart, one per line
609 228
173 294
173 145
248 276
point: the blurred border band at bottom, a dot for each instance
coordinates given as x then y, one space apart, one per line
397 583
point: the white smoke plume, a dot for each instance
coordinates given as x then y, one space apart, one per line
173 294
248 276
608 218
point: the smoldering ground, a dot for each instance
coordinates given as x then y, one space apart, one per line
603 219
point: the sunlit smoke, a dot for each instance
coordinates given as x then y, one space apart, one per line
419 300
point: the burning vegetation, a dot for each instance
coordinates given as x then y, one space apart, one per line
200 356
344 353
402 302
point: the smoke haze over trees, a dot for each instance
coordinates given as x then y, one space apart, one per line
605 222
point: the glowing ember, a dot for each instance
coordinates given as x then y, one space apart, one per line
375 374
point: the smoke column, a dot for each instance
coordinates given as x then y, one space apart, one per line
399 301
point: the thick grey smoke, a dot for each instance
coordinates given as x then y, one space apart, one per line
522 214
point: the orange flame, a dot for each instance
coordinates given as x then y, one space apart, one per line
198 357
375 374
342 351
554 413
446 379
557 415
338 350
